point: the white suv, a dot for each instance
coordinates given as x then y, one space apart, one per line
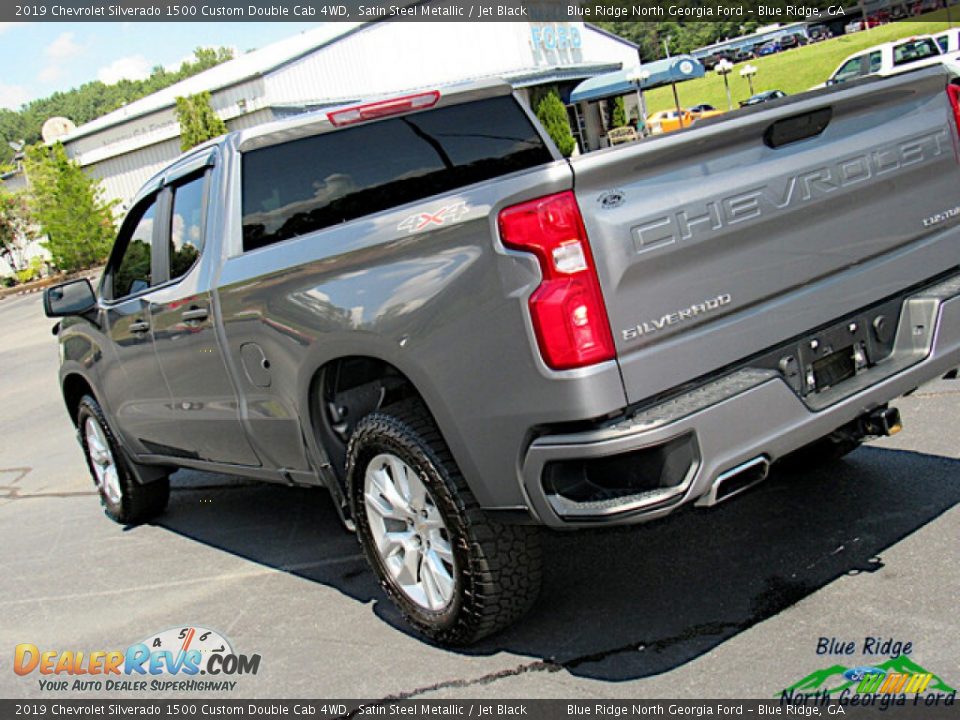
889 59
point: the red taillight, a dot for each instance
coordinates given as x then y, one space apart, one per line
953 92
567 309
383 108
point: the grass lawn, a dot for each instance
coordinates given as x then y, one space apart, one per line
792 71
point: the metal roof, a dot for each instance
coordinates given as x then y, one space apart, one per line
661 72
251 64
526 78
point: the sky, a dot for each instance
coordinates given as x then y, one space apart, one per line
37 59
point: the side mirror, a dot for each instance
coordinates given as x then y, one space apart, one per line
72 298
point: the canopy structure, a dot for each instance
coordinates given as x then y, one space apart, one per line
662 72
639 78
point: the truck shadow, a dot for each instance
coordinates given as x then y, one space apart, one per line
630 602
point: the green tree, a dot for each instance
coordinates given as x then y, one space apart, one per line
553 116
198 120
619 118
93 99
69 207
682 36
15 231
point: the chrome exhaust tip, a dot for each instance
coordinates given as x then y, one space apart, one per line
736 480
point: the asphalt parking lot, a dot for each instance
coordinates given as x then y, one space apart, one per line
723 603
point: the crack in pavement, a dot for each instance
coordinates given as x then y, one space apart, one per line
779 595
552 665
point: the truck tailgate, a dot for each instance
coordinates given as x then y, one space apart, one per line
715 243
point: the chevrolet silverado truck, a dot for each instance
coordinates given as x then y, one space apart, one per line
418 304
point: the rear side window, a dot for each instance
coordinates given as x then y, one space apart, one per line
915 50
943 42
186 226
312 183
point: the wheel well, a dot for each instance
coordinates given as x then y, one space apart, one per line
344 391
74 388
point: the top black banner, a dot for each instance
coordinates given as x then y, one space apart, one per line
443 10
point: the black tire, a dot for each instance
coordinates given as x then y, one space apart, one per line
818 454
138 502
498 567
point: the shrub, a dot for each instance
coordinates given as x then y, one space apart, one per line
31 272
553 116
68 205
619 113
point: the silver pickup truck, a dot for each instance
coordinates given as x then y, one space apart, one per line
419 305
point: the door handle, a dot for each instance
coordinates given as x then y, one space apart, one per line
139 327
195 314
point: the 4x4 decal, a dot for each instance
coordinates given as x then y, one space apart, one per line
448 213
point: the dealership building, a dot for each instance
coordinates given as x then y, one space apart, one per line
341 63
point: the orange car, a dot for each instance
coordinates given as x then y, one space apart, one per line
666 121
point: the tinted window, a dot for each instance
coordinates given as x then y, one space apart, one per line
915 50
132 274
186 227
848 70
876 61
943 42
315 182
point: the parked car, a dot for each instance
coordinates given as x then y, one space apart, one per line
710 61
769 48
664 121
703 112
819 34
418 304
763 97
793 40
742 55
889 59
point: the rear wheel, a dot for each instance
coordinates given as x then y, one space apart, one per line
455 575
123 498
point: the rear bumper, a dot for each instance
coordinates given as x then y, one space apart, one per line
744 419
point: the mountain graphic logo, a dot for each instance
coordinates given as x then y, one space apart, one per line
837 678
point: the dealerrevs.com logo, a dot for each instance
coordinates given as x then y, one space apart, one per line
168 661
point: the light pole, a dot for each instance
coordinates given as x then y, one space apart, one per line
748 71
638 76
725 67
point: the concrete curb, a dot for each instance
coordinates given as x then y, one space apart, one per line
38 285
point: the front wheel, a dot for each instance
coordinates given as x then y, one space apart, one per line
124 499
455 575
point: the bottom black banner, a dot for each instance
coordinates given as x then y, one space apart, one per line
887 706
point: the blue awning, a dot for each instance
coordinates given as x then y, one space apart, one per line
661 72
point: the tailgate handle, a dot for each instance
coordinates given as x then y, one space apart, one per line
796 128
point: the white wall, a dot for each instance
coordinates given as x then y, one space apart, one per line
380 58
